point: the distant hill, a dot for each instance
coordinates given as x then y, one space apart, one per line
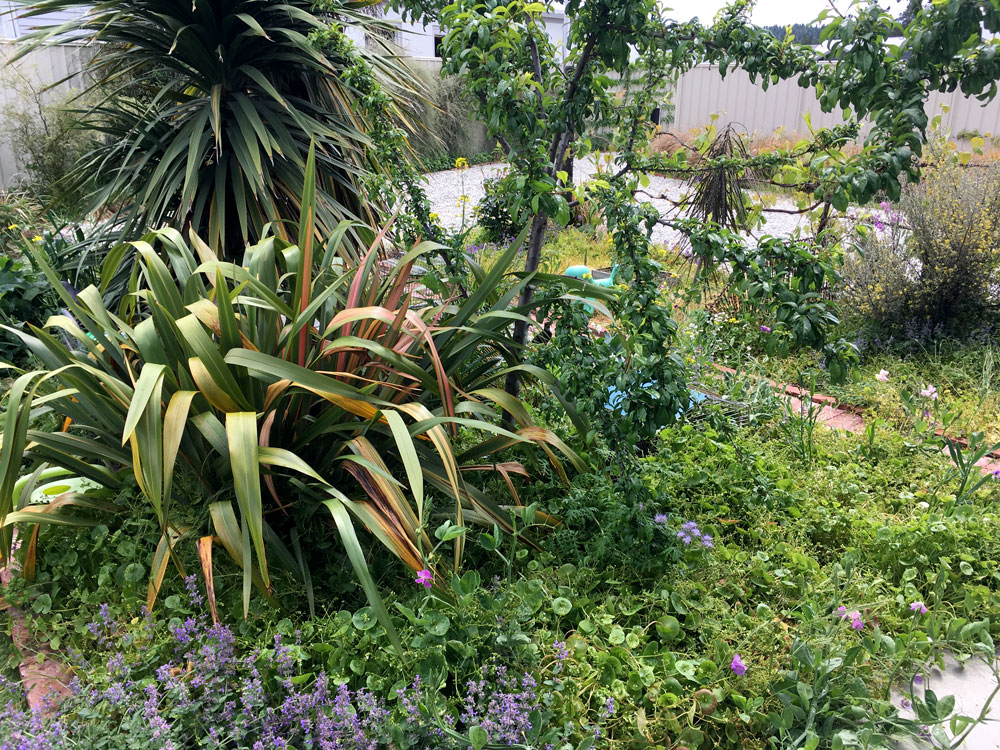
803 33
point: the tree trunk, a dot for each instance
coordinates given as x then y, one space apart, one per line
535 240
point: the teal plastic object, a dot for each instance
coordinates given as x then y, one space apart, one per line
52 483
581 271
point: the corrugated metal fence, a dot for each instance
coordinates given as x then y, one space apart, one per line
702 92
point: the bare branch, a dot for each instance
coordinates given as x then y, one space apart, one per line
805 210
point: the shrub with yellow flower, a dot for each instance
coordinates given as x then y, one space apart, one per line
932 259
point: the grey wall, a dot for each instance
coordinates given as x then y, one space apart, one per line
37 70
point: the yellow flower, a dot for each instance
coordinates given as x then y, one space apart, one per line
12 227
462 200
588 275
37 238
433 216
461 163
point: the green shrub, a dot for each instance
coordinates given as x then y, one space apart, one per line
933 260
25 298
210 128
445 129
46 134
496 214
267 381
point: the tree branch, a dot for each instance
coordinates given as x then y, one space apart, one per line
561 142
537 66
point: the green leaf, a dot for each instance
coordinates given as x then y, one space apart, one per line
561 606
357 558
241 431
478 737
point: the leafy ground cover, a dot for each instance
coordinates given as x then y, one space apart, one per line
727 593
297 482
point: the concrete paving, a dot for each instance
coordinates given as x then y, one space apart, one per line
972 685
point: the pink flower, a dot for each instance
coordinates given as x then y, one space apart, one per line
919 608
883 376
425 578
930 392
738 667
854 616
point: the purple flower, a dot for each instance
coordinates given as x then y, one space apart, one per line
660 518
929 392
194 594
918 679
562 653
737 665
856 622
918 607
424 578
765 329
905 703
609 706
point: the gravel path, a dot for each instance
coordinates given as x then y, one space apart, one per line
445 188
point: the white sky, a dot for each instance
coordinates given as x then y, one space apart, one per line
766 12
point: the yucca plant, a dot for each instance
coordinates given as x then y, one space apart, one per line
207 110
289 387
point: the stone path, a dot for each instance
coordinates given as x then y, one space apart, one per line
445 190
838 417
972 684
44 676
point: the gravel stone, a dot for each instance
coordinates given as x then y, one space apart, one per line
445 188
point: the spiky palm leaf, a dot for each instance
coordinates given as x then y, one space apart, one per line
281 382
208 109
